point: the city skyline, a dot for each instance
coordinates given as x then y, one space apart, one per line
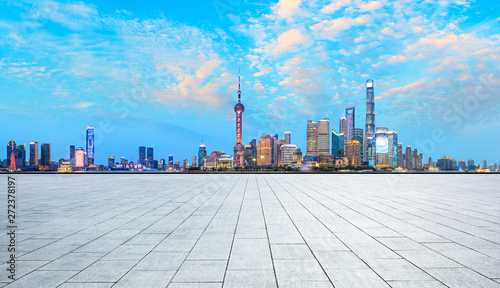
435 74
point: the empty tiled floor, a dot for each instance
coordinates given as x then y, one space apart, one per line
258 230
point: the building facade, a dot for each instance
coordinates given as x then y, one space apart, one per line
353 153
312 138
324 137
288 137
357 135
264 153
90 145
368 151
381 147
350 115
34 154
46 154
337 143
287 151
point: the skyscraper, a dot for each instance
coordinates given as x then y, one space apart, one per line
71 155
288 137
249 155
274 150
353 153
79 158
368 151
46 154
142 155
393 149
194 162
111 161
171 159
12 151
264 151
400 159
324 137
238 147
343 125
34 154
90 145
287 151
202 153
337 143
357 135
312 138
408 158
350 122
381 147
150 155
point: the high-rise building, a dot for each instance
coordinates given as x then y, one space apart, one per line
337 143
249 155
297 157
350 122
485 165
400 159
408 158
21 155
13 159
185 164
287 151
275 150
90 145
447 164
202 153
34 153
353 153
324 137
343 125
194 163
288 137
238 147
414 157
46 154
72 155
381 147
462 165
312 138
80 158
111 162
264 153
150 156
171 159
142 155
368 151
357 134
393 149
470 165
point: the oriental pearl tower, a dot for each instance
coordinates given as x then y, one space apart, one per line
238 148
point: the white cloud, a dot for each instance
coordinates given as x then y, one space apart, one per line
289 40
290 64
370 6
328 29
287 8
335 6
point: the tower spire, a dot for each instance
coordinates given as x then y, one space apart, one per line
239 86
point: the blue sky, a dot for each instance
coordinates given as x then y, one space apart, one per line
164 74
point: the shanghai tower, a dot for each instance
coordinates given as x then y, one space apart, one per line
238 147
368 148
